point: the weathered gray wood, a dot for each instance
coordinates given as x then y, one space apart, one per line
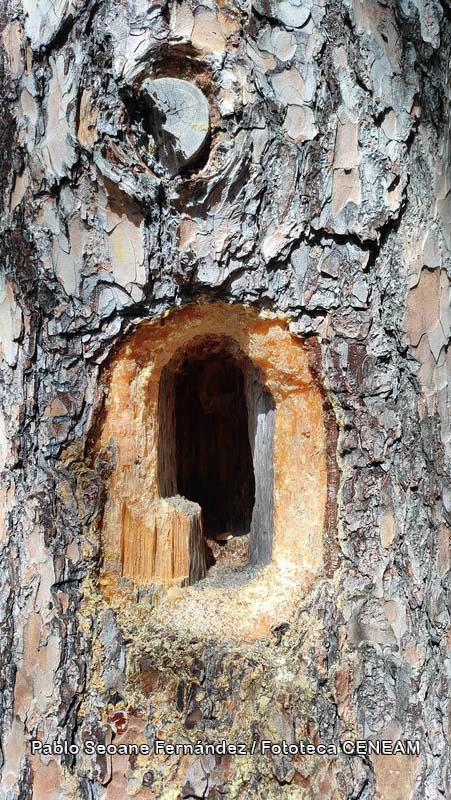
180 118
261 436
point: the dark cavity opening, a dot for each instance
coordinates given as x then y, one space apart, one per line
213 454
216 427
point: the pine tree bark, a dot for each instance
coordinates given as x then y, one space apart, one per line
318 188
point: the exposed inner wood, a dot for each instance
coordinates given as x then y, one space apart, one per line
218 404
177 541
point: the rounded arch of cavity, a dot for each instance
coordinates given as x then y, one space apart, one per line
144 537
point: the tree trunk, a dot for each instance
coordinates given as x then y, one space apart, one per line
281 173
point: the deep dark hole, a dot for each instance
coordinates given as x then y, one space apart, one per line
213 454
